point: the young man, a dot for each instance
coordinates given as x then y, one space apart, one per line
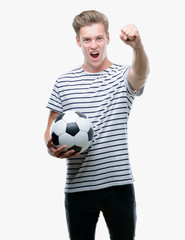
100 179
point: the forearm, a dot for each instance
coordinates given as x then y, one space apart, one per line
47 136
51 118
140 64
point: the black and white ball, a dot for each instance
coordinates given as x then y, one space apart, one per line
72 129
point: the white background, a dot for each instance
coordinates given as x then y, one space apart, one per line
37 45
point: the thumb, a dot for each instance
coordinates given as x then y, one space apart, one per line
123 37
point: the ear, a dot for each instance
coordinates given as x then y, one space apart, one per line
108 37
78 41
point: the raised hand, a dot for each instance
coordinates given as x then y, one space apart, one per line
130 36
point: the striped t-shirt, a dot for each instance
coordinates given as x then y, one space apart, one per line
106 98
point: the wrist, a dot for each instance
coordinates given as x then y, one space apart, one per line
139 47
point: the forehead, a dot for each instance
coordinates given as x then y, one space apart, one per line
92 30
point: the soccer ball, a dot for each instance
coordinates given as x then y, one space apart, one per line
72 129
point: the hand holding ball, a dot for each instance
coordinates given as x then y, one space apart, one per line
72 129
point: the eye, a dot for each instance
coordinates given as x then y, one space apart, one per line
100 38
86 40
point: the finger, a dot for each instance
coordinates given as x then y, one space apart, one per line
128 27
126 30
49 143
51 147
69 154
60 151
123 33
127 34
131 35
127 38
123 37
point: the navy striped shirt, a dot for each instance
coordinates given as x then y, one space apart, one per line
106 98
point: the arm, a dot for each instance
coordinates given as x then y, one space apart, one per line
52 150
139 70
51 118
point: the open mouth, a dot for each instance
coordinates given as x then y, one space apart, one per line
94 54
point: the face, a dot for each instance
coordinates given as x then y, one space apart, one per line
93 41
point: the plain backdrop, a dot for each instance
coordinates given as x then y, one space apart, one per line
37 45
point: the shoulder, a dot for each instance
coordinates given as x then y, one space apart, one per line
120 68
71 74
119 71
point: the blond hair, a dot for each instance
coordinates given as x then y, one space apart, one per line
86 18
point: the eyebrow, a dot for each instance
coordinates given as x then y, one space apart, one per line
90 37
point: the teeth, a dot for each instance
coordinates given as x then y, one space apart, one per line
94 52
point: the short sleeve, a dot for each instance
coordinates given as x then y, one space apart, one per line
138 92
55 103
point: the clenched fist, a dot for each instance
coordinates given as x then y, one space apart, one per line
130 35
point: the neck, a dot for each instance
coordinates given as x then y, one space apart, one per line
93 69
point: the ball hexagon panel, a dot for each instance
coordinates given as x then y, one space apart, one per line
81 139
66 139
84 148
84 124
59 127
70 116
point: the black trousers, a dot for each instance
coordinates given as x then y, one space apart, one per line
117 205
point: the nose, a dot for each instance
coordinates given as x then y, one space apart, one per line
93 44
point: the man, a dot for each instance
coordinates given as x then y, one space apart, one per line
100 179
